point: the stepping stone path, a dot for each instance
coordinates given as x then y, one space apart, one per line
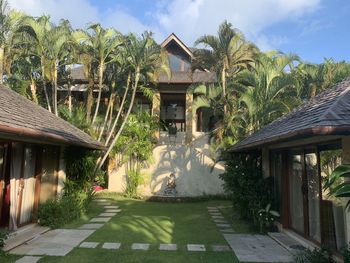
89 245
111 207
28 259
107 214
220 248
91 226
168 247
196 247
223 225
101 219
140 246
111 245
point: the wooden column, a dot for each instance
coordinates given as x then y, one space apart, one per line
189 117
156 108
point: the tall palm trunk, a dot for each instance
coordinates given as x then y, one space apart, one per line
90 96
33 91
99 91
104 158
2 58
119 111
69 96
223 81
108 112
44 84
55 87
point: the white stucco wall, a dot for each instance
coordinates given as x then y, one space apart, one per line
190 163
61 172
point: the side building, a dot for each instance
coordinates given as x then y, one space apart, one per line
32 165
300 150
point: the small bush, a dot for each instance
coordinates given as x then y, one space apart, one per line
346 254
3 237
58 212
318 255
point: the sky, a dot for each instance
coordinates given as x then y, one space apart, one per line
312 29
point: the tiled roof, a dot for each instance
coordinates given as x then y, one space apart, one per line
22 119
188 77
326 114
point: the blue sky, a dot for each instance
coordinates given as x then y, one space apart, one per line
313 29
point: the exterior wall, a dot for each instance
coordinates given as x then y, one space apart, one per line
189 117
190 163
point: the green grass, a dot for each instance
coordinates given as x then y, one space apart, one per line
155 223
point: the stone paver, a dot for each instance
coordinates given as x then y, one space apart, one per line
89 245
111 245
212 207
217 217
107 214
196 247
168 247
220 221
140 246
104 203
100 219
58 242
215 214
101 200
257 248
111 206
28 259
223 225
220 248
112 210
227 230
91 226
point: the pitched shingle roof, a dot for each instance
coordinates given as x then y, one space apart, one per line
188 77
326 114
22 119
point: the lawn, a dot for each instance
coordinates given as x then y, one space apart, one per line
154 223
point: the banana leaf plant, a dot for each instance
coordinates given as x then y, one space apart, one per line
341 188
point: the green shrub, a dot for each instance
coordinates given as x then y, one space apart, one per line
243 180
3 237
318 255
346 254
58 212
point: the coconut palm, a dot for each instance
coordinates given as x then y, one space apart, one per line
146 60
269 90
228 54
57 51
102 43
38 30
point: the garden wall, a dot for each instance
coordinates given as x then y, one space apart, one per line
190 163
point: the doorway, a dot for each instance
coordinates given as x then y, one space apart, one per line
4 184
304 194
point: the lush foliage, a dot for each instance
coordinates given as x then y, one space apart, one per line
135 146
266 218
317 255
346 255
3 237
243 180
338 182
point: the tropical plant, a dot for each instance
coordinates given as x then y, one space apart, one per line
146 60
102 43
266 217
338 183
228 54
317 255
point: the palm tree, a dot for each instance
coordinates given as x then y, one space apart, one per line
269 90
102 43
38 30
57 51
146 60
228 54
10 21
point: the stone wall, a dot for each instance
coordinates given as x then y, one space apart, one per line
191 164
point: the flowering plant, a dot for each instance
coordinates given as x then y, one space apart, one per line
266 217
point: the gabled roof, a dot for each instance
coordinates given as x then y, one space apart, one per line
23 120
326 114
177 40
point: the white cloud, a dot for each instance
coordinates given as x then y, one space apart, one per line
189 19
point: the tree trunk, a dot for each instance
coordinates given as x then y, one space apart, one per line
119 111
99 92
2 58
44 84
55 87
109 109
69 96
104 158
110 119
90 96
33 91
223 81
